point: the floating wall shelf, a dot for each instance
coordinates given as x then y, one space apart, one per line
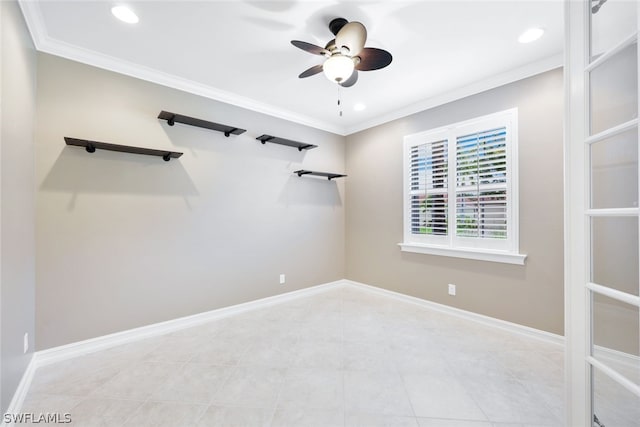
328 175
173 118
91 147
289 143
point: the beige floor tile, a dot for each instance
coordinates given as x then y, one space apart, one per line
376 393
251 387
138 381
217 416
441 396
221 351
368 356
433 422
277 353
506 399
193 383
97 412
369 420
313 388
293 417
37 406
176 349
40 403
310 361
166 414
81 381
310 353
134 350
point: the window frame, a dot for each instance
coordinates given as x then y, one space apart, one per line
487 249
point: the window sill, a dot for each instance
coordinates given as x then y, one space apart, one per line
468 253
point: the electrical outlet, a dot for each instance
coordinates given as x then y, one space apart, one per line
282 279
452 289
25 343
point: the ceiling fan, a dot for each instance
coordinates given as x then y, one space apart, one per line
346 54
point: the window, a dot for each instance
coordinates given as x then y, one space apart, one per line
460 190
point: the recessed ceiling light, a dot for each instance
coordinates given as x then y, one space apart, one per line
125 14
531 35
359 106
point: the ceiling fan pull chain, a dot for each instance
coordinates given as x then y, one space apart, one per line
339 103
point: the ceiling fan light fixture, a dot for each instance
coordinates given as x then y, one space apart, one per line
345 55
338 68
125 14
531 35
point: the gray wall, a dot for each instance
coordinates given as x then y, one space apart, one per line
127 240
17 204
530 295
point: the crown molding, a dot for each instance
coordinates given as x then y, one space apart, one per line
44 43
529 70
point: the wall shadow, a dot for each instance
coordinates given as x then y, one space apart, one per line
77 171
512 271
197 139
310 191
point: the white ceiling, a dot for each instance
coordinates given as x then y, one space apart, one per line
239 51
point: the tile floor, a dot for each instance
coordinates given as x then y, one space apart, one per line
344 357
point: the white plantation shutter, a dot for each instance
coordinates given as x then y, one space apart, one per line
429 188
481 184
460 187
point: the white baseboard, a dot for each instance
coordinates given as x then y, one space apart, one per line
69 351
616 359
64 352
56 354
15 406
468 315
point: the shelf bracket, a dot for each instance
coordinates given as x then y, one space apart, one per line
91 146
173 118
282 141
266 138
328 175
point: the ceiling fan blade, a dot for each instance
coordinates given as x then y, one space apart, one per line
352 36
336 25
373 59
351 80
311 48
311 71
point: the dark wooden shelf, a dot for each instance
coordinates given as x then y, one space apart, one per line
91 147
282 141
328 175
173 118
